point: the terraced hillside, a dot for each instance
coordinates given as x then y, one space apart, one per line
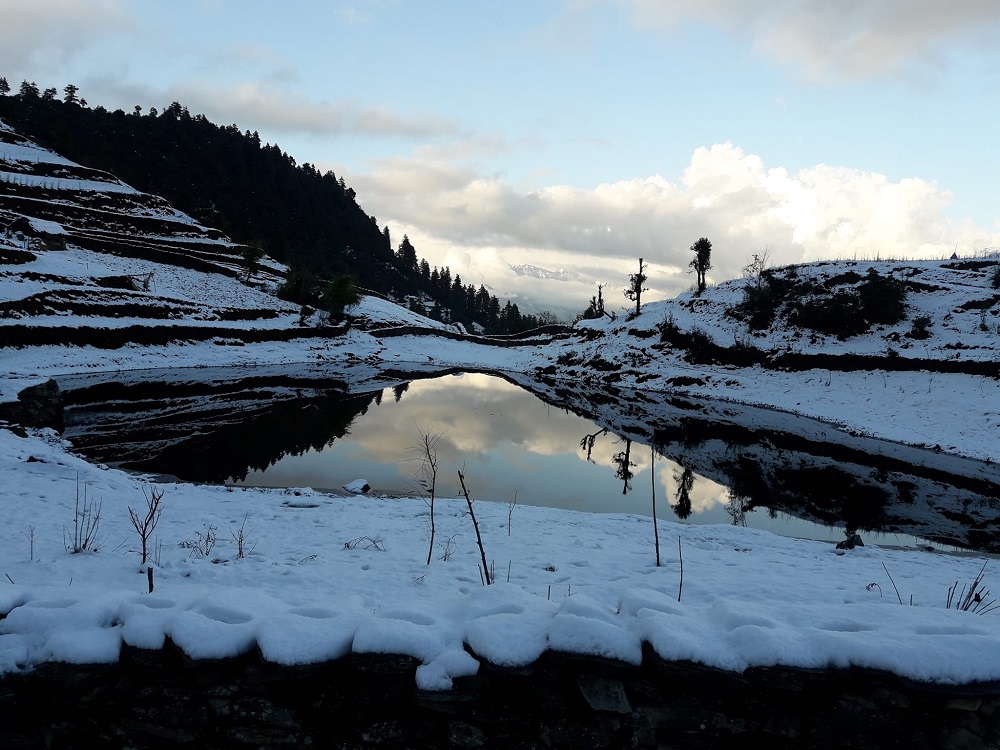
120 266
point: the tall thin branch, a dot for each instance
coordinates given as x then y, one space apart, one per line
487 575
652 483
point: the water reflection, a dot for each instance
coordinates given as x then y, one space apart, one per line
714 462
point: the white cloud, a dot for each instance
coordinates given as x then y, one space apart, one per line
479 225
844 39
40 36
257 106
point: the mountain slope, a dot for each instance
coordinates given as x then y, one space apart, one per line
251 191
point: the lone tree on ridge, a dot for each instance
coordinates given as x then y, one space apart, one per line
635 286
702 261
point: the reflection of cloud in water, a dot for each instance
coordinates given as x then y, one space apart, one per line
705 495
476 414
507 441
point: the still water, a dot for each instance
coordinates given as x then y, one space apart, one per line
512 446
548 443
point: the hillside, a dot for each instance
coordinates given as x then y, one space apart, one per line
912 380
259 195
226 178
129 281
100 282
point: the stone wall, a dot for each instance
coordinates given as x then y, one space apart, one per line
162 699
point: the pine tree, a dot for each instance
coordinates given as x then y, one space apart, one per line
4 87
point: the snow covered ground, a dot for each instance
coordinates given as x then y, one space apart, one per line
323 575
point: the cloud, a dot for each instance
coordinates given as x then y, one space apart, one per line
259 107
480 226
40 36
850 39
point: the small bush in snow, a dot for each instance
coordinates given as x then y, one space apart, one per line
244 544
919 330
202 544
86 522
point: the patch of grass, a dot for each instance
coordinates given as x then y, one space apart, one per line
973 597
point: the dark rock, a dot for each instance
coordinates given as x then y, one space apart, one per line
462 736
603 694
854 540
162 699
37 406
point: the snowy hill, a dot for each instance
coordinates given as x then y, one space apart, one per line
912 380
96 278
87 261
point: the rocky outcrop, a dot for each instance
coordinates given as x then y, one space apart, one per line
36 406
162 699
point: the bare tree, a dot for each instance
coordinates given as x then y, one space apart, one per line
652 484
144 526
755 267
587 442
427 454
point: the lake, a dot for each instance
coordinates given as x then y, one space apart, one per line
534 442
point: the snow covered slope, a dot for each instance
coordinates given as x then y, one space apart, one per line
932 378
97 277
128 281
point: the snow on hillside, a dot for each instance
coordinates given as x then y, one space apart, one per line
25 164
323 575
956 296
954 411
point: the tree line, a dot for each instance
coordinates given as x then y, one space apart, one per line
257 194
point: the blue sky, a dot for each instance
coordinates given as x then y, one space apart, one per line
580 135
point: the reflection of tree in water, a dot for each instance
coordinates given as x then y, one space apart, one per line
587 442
219 451
826 493
737 508
399 390
624 470
685 483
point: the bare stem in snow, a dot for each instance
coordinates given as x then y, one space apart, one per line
487 574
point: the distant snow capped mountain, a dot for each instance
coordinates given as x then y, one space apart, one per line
544 273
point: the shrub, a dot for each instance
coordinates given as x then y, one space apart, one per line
919 330
758 306
86 524
839 314
995 279
883 298
700 343
250 259
669 332
300 286
338 294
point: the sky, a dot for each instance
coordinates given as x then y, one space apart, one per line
581 135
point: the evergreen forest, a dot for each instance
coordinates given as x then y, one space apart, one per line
258 195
